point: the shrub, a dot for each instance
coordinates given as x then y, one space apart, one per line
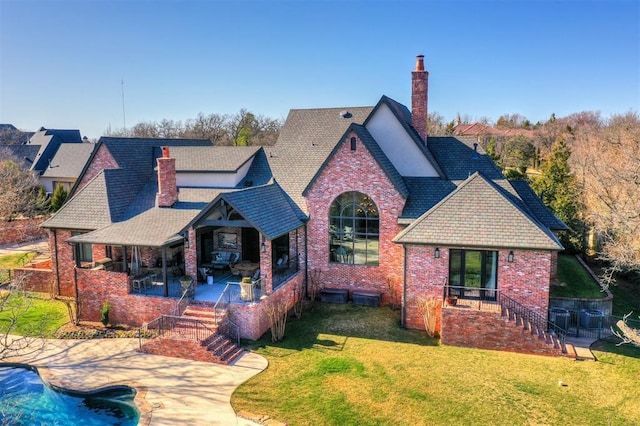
104 314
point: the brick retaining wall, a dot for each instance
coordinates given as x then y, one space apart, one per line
489 330
21 230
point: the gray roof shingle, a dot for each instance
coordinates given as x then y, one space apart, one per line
305 141
212 158
69 161
477 214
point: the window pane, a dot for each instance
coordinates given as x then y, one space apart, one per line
455 267
353 237
472 269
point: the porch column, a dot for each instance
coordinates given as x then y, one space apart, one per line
266 264
164 271
190 255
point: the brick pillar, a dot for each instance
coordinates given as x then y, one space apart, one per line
419 98
167 187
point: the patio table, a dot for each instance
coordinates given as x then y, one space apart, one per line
246 268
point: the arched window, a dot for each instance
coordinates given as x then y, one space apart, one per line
354 227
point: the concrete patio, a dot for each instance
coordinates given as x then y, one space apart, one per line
171 391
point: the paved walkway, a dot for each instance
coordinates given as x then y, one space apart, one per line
39 246
171 391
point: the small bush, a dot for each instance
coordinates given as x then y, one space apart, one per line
104 313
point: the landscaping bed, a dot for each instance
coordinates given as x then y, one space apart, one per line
91 330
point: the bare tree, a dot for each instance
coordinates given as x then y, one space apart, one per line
14 305
608 163
21 195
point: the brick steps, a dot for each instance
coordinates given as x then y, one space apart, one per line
546 337
181 341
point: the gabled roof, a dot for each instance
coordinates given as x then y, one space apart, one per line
267 208
306 139
213 159
375 151
424 193
477 214
49 141
69 160
403 115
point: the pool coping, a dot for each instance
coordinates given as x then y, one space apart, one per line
167 389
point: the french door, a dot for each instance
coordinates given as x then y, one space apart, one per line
473 274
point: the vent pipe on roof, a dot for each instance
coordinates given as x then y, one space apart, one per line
419 98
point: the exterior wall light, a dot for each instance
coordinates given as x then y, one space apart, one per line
510 256
436 253
186 242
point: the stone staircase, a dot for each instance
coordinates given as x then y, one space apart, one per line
195 336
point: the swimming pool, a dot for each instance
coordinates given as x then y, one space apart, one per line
26 400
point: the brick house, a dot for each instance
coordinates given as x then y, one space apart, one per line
361 199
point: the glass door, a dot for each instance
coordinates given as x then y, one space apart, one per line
473 272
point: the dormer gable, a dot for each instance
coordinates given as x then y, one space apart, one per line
389 124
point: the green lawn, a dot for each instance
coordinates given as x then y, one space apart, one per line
350 365
13 261
35 316
575 280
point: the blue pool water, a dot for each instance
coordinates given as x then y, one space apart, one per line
26 400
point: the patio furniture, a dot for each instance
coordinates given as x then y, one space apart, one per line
224 259
246 268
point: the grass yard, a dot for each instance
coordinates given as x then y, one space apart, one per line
35 317
13 261
350 365
575 281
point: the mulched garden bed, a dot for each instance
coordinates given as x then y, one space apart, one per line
94 330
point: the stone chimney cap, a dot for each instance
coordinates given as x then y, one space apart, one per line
165 152
419 63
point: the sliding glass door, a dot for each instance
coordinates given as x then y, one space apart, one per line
473 273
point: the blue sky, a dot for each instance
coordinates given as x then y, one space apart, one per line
62 62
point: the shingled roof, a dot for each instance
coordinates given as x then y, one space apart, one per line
477 214
376 152
218 159
69 160
306 139
267 208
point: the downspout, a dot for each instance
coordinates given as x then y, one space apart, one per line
404 286
55 251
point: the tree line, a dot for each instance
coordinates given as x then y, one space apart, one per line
240 129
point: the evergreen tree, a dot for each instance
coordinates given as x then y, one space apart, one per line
58 198
557 186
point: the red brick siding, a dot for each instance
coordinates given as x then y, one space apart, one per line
526 279
425 278
354 171
167 187
102 160
21 230
96 287
191 256
419 101
179 349
62 258
252 320
36 280
489 330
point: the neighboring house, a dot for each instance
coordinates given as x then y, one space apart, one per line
55 156
358 199
483 133
66 165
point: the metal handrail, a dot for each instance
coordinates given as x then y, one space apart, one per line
143 332
534 319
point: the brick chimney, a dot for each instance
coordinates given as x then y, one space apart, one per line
419 98
167 187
